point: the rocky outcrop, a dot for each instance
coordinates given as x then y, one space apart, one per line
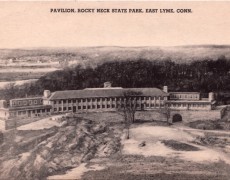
65 147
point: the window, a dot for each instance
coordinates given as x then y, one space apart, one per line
64 108
69 101
38 111
113 106
93 106
79 107
84 107
55 102
64 101
98 107
59 109
48 110
84 100
43 110
103 106
69 108
55 109
60 102
30 102
108 106
88 107
35 102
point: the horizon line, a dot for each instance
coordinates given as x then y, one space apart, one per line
117 46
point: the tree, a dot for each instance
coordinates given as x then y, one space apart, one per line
166 112
127 107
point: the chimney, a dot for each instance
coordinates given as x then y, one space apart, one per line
211 96
3 104
165 89
107 84
46 93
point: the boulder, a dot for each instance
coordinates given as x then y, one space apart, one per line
57 160
45 154
72 146
64 123
142 144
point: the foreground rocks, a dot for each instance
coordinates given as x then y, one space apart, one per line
74 142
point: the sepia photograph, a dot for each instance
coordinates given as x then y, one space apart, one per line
115 90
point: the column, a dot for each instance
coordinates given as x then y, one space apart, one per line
106 103
111 103
115 102
81 104
149 102
100 103
96 102
91 101
159 101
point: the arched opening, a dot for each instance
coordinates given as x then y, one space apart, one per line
177 118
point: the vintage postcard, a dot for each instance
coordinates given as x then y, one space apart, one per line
115 90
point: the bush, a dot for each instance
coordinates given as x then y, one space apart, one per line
1 137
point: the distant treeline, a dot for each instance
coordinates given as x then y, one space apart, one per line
202 76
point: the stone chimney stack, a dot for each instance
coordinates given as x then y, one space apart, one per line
211 96
46 93
107 84
165 89
3 104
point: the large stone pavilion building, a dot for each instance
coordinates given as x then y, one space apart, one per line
107 98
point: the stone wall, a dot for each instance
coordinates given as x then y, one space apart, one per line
188 116
154 115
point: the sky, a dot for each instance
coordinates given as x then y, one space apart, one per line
31 25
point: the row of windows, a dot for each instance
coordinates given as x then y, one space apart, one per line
99 107
184 96
32 111
103 99
26 102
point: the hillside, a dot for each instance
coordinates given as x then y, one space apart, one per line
100 54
